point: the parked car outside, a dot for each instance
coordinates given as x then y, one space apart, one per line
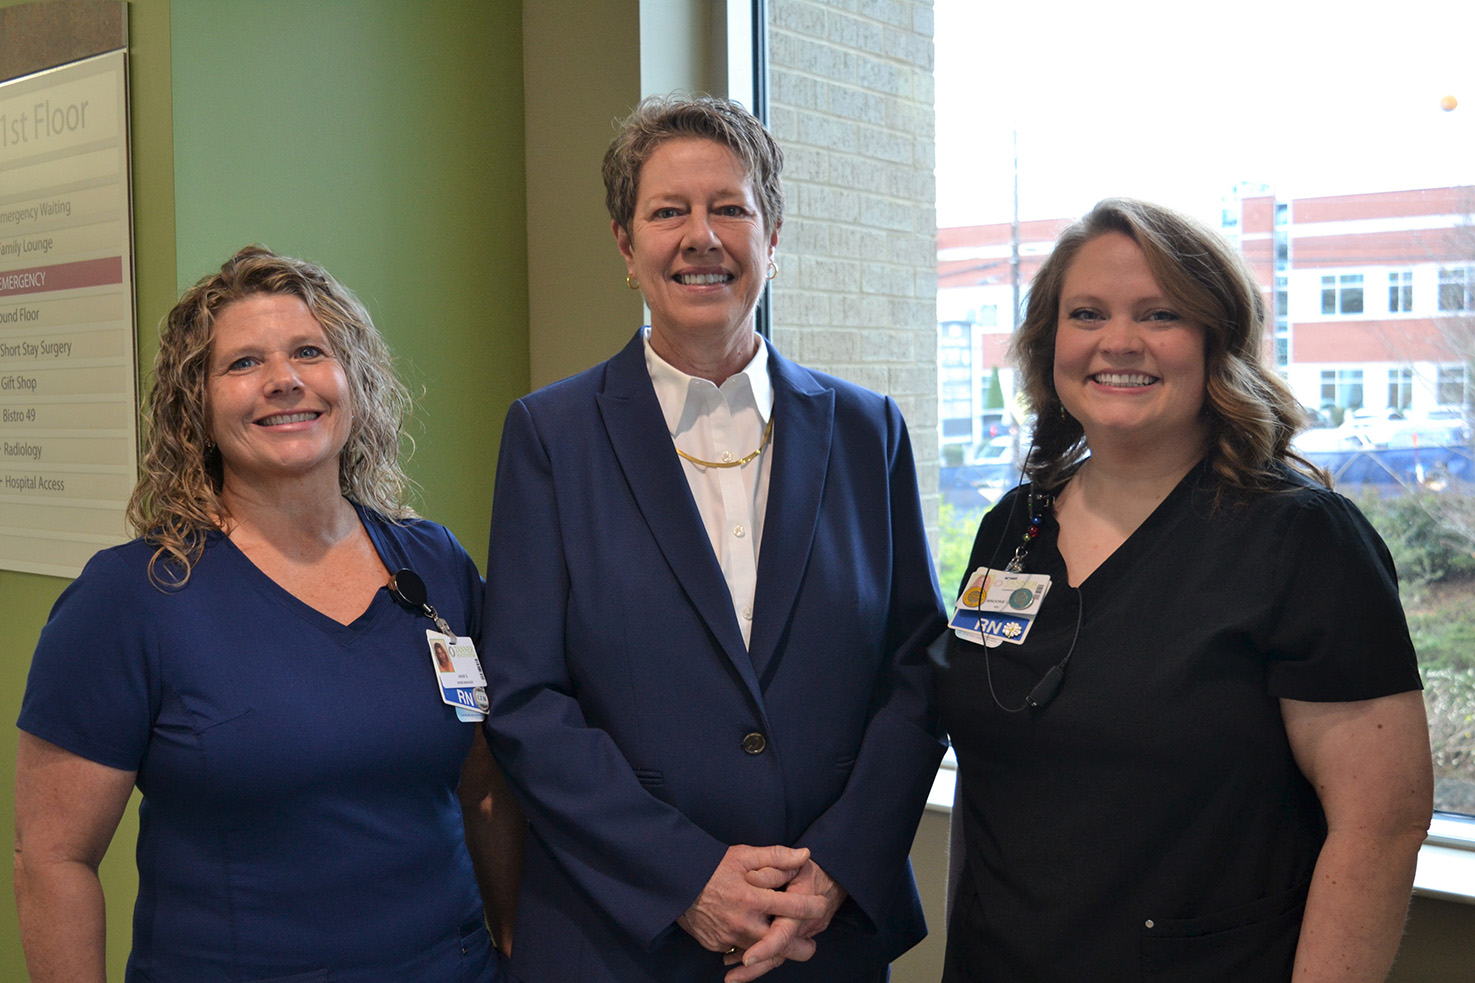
1330 440
1316 419
1376 426
996 461
994 423
1438 426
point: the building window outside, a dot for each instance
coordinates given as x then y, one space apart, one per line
1341 294
955 385
1400 291
1281 330
1451 385
1341 388
1455 289
1400 388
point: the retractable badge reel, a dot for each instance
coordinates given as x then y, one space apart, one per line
458 672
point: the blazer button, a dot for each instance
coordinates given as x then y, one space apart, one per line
755 743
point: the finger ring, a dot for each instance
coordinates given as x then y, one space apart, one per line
730 951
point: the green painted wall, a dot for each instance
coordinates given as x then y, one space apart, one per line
381 138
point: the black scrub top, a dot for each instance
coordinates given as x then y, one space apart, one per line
1150 823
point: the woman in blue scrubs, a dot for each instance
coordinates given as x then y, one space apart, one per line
259 664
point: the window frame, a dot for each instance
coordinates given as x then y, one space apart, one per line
1400 387
1343 382
1400 291
1343 294
1452 379
1456 289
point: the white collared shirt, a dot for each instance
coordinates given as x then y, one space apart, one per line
723 423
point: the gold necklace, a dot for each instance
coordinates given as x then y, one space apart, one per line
767 433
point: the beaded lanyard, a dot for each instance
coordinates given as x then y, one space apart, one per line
1043 691
1039 504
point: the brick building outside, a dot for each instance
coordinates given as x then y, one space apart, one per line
1373 301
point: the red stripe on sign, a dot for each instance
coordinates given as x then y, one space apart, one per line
62 276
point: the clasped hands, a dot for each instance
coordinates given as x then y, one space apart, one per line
761 907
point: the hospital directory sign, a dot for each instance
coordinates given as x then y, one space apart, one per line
68 358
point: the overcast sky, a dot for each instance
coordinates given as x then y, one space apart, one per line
1174 102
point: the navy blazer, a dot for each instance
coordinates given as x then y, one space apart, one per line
624 703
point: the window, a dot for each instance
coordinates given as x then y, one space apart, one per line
1400 388
1455 289
1281 328
1451 385
1322 230
955 381
1342 388
1341 294
1400 291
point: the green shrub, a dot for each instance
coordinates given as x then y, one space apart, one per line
1449 701
1444 634
1423 533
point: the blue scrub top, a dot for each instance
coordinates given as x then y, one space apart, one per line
299 814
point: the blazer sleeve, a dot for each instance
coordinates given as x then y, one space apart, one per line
864 839
640 859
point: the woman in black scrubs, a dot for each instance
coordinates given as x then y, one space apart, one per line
1207 759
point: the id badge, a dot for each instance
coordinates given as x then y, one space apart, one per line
998 606
458 675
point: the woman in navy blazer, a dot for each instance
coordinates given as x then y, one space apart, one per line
708 598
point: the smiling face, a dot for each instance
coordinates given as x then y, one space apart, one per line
278 398
1128 365
697 243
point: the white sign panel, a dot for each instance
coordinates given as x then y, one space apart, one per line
68 376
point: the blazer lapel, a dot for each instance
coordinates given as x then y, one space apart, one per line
803 424
637 432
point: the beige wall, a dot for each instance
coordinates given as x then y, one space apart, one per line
581 71
856 295
929 863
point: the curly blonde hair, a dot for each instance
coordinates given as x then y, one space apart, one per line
1251 413
177 499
